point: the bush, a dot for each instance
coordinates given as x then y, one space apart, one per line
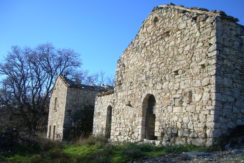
148 147
100 141
104 155
131 151
82 123
9 140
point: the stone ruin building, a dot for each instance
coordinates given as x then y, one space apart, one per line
71 104
180 81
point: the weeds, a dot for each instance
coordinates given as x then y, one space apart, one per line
92 141
131 151
92 150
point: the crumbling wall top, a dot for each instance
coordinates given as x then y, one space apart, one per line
196 10
109 92
72 84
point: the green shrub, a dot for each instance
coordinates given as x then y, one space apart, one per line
18 159
147 147
100 140
2 159
131 151
106 154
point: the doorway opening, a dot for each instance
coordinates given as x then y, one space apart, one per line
54 127
108 122
148 118
50 132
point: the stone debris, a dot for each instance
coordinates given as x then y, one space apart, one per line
197 157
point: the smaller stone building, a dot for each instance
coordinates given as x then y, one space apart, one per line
70 104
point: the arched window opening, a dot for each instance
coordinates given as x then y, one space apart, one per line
108 122
55 103
148 125
155 20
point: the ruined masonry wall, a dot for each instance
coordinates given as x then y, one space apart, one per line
229 109
171 58
56 117
191 61
70 103
76 100
100 114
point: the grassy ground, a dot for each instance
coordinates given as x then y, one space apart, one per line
90 150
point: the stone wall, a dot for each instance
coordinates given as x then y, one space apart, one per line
71 109
77 101
170 60
100 114
173 59
229 108
56 116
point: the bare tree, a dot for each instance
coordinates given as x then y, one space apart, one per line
103 79
99 79
28 77
83 77
110 81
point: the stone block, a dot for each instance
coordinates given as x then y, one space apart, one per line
177 109
191 108
198 141
205 81
180 141
212 54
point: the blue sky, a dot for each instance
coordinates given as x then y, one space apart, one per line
98 30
